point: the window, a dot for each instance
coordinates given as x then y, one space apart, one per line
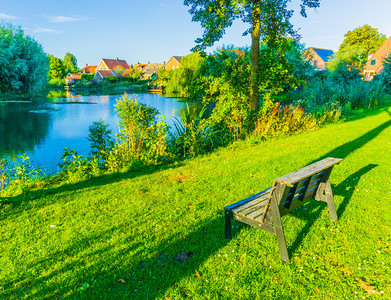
373 62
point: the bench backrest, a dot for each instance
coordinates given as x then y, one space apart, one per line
296 188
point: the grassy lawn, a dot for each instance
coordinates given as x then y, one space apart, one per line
159 234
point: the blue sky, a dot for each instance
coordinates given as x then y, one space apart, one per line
155 30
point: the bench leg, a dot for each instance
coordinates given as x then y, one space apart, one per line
282 244
330 202
228 217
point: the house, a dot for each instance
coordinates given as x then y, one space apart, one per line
103 74
150 71
88 69
374 65
173 63
318 57
116 67
72 78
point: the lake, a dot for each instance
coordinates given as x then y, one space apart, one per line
42 130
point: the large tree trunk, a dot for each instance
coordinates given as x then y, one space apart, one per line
255 34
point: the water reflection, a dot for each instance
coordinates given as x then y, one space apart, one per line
22 127
43 130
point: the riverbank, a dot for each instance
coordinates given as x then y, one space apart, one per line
158 233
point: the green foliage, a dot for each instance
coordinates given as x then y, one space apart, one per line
70 63
57 82
87 76
279 120
101 139
134 74
330 93
187 79
75 167
352 57
385 76
269 19
119 70
24 65
365 39
192 134
18 175
141 136
56 68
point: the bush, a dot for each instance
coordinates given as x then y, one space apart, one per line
141 136
192 135
75 168
101 139
57 82
283 120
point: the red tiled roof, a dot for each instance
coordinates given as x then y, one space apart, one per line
89 69
74 76
105 73
114 63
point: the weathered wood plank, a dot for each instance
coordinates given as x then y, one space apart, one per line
241 202
257 202
291 178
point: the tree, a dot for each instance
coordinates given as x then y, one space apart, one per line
267 18
57 68
187 79
24 65
366 38
70 63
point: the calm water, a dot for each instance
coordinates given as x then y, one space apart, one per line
42 130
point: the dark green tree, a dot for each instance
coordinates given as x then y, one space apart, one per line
70 63
267 18
23 64
365 38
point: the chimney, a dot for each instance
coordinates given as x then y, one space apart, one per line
116 58
86 65
148 63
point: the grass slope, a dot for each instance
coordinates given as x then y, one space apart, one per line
160 234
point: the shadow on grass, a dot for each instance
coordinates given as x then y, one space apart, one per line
18 202
138 271
340 152
315 208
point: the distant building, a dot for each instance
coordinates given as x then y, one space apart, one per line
72 78
318 57
112 65
173 63
150 71
374 65
88 69
103 74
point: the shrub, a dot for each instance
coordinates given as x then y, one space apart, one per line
19 174
283 120
75 167
141 135
192 136
101 139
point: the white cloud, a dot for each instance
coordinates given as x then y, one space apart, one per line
7 17
45 30
62 19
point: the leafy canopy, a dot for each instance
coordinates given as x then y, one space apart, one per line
269 19
70 63
23 63
365 38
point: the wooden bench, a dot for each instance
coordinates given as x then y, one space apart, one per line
265 209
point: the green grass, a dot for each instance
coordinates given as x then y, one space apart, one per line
160 233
